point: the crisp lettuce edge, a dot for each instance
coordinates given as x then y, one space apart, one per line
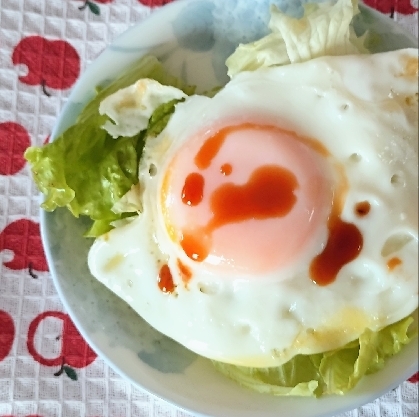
60 169
335 372
293 40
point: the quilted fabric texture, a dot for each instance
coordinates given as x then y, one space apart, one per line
46 368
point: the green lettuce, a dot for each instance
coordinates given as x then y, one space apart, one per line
333 372
160 117
325 29
85 169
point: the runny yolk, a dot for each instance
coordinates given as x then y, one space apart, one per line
269 193
262 215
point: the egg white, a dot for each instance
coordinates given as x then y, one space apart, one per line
363 109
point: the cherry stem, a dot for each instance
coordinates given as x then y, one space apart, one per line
44 90
61 370
392 13
31 273
84 5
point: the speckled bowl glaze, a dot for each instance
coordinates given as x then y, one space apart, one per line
192 38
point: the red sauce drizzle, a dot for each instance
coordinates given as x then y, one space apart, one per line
226 169
195 246
268 193
343 245
362 208
193 189
393 262
185 271
165 280
210 148
213 144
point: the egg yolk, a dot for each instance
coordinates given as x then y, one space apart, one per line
248 197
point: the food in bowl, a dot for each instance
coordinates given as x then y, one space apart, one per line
269 222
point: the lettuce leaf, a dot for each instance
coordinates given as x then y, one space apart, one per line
88 171
325 29
85 170
161 116
299 376
333 372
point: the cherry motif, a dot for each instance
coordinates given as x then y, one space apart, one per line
50 63
391 6
75 352
155 3
7 334
14 139
92 6
414 379
23 238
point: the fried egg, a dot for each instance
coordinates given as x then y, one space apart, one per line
279 217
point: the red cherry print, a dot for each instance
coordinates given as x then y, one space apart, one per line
75 352
390 6
7 334
92 6
23 238
54 64
154 3
414 379
14 139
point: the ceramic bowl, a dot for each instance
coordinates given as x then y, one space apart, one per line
192 38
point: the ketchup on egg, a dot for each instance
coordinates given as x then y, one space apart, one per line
263 215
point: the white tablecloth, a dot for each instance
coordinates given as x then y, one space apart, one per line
30 99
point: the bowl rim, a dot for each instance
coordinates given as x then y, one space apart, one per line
156 15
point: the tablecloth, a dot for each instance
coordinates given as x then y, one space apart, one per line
33 381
